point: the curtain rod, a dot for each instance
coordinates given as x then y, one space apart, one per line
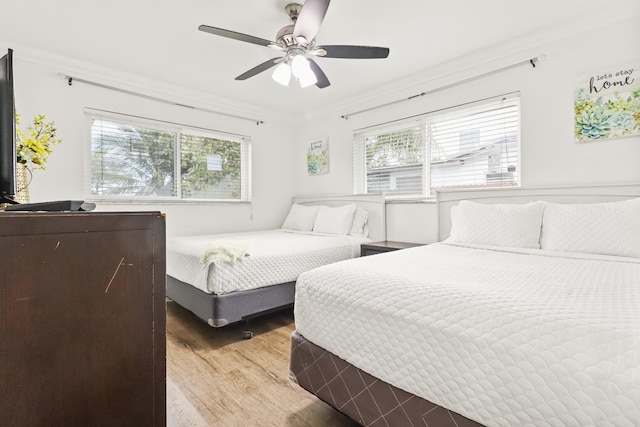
71 79
531 62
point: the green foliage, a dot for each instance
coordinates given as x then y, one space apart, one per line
131 160
194 151
399 148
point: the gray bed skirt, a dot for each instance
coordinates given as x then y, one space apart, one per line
221 310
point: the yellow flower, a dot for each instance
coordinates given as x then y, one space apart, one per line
35 148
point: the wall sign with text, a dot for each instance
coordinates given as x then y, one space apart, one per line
607 104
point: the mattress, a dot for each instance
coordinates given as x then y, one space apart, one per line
277 256
504 338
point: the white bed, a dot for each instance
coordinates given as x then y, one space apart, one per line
485 335
223 291
277 256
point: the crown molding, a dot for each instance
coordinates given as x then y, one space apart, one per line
111 77
492 57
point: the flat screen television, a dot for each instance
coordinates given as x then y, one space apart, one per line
7 130
8 150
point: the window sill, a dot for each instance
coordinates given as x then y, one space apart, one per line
409 199
166 202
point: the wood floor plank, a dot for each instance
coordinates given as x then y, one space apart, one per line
215 378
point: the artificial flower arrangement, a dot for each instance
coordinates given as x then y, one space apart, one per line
34 147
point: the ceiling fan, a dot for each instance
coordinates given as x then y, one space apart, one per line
297 42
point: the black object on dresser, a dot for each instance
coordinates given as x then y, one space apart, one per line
82 319
53 206
385 246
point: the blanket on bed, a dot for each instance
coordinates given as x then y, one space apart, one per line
227 250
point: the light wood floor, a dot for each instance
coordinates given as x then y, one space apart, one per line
215 378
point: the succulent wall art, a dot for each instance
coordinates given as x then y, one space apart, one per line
318 157
607 105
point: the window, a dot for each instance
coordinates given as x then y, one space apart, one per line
133 158
474 146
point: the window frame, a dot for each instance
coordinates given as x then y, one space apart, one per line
177 129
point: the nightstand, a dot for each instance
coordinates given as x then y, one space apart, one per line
386 246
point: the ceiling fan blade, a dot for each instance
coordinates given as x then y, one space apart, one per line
310 19
234 35
259 68
323 81
354 52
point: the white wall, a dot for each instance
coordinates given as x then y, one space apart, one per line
549 155
40 89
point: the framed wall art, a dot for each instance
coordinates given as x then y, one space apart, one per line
318 157
607 104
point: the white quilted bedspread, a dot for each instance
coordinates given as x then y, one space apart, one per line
277 256
504 338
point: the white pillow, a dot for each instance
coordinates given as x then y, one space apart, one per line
510 225
334 220
596 228
301 218
359 226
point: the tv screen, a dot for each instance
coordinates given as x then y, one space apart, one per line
7 130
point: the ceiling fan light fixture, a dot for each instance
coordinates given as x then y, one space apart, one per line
308 79
282 74
300 66
296 41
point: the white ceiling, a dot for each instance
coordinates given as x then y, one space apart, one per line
159 40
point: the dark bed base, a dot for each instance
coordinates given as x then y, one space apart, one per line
221 310
362 397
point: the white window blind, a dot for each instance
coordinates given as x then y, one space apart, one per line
474 146
391 159
133 158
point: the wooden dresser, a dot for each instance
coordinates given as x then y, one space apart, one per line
82 319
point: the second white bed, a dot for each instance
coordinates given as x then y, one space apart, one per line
503 337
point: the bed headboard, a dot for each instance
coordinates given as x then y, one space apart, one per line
577 194
373 203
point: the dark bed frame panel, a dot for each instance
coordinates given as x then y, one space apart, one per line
221 310
363 397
